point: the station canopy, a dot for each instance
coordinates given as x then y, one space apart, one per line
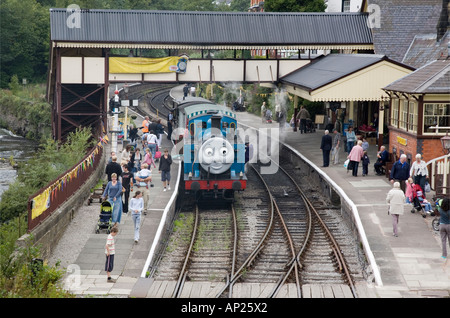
209 30
345 77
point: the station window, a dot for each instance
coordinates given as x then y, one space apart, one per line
413 115
394 112
436 114
403 112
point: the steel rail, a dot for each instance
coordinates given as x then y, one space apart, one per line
250 259
335 246
233 261
183 272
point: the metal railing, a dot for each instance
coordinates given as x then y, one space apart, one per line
49 198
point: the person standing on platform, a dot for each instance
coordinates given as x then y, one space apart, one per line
355 157
444 224
351 138
148 159
113 167
113 192
159 132
110 251
145 124
325 145
365 163
336 146
170 125
127 184
396 201
144 178
400 172
303 114
164 168
419 171
263 112
185 91
136 207
152 142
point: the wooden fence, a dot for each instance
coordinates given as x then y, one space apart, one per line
439 176
47 200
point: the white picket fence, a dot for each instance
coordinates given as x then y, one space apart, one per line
440 167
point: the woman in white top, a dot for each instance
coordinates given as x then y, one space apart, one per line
126 153
136 206
419 171
396 201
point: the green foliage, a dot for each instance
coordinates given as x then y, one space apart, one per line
25 40
48 163
14 84
294 6
27 106
20 277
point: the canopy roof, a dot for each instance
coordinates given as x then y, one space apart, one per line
219 30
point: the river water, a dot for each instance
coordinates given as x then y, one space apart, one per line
19 148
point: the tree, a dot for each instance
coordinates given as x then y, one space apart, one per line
294 6
24 40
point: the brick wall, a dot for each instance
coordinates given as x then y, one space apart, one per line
428 148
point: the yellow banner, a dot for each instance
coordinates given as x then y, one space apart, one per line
143 64
40 204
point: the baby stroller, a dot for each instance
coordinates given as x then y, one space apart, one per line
309 125
269 116
105 217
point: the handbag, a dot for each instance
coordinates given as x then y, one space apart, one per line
427 187
157 154
346 163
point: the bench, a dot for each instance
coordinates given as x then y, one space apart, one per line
386 168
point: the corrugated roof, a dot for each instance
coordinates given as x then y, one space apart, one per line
210 28
433 78
327 69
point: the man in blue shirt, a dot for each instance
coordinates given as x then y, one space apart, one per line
400 172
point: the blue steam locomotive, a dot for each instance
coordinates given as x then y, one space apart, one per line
213 155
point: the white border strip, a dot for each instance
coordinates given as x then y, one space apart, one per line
163 219
161 225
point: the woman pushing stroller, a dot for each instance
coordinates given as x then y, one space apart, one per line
113 191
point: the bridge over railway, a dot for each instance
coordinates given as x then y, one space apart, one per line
82 63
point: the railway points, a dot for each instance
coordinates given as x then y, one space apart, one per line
410 265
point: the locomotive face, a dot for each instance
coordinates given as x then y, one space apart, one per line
217 154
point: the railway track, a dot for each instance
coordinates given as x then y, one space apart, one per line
201 249
286 234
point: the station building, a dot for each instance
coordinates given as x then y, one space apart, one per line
419 111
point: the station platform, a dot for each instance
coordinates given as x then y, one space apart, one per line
410 264
88 276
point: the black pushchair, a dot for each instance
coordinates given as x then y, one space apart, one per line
309 125
105 217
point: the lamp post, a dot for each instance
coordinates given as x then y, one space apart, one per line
116 120
126 89
446 143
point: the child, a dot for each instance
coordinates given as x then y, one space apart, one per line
365 163
110 250
143 177
136 207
